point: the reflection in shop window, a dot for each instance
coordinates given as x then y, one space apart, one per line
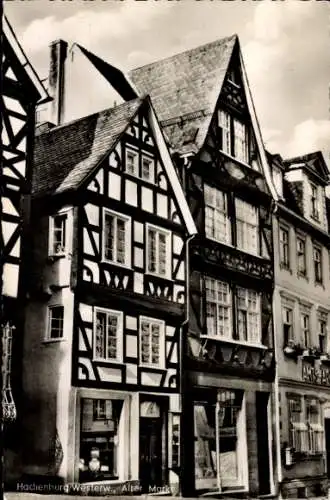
217 442
99 442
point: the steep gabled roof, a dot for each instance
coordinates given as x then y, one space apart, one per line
30 73
185 88
66 154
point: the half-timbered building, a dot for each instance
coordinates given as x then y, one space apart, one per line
108 301
21 90
302 312
203 102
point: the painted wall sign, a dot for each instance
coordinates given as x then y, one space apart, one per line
316 375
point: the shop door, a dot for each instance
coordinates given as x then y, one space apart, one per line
150 453
327 443
263 444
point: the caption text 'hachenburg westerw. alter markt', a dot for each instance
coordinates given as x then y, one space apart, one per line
165 282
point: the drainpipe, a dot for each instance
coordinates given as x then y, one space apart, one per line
276 384
186 164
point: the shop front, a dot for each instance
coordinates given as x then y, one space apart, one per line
232 437
124 437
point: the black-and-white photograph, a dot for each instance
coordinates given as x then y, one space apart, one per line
165 249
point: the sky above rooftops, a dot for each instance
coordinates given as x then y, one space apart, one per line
285 47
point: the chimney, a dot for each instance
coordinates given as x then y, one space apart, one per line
56 80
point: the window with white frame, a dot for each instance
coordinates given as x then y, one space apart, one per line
217 221
55 322
148 168
317 260
224 125
158 251
152 341
284 247
218 308
132 162
298 430
117 237
108 333
240 141
57 235
315 202
287 321
322 320
248 315
247 227
305 325
315 428
301 256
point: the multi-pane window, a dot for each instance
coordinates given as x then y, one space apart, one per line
248 315
317 260
55 322
315 204
305 326
218 308
217 222
287 321
224 125
132 162
301 256
108 331
158 252
240 141
315 429
147 172
57 240
151 342
298 431
116 244
102 409
247 227
284 248
322 321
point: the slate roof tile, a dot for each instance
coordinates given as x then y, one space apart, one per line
66 154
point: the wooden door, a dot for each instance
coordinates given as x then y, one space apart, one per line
150 453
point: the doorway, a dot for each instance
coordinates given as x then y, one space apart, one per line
152 452
327 443
263 442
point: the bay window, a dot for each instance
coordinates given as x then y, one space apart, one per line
218 308
248 315
108 333
217 222
247 227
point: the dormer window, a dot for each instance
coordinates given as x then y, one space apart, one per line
315 202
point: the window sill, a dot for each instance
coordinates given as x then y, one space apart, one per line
116 264
285 267
51 341
57 256
104 361
233 341
159 276
237 160
153 367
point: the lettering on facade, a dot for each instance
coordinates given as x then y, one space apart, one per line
316 375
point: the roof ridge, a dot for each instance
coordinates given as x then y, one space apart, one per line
85 117
173 56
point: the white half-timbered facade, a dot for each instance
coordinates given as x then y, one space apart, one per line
111 225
